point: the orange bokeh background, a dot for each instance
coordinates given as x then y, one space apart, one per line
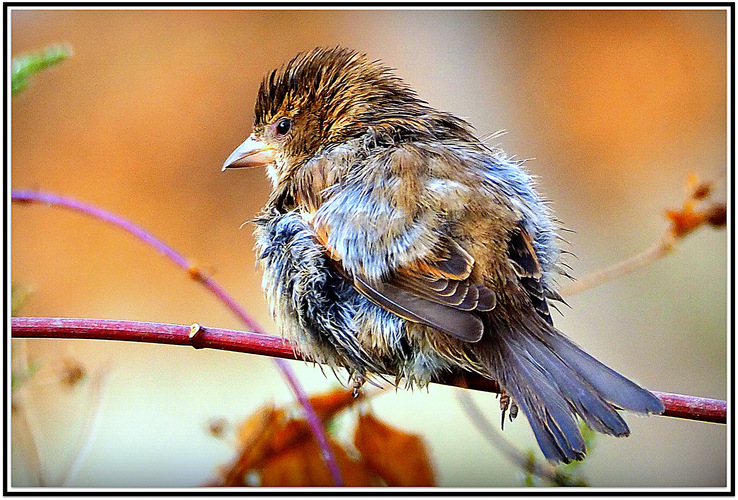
613 108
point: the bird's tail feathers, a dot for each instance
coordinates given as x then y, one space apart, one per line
552 380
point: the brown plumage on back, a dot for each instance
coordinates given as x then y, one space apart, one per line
396 242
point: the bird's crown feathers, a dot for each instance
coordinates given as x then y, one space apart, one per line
347 93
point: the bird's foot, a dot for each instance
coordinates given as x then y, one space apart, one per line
506 403
356 382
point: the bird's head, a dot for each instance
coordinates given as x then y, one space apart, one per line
327 96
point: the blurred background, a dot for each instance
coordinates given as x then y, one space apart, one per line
612 108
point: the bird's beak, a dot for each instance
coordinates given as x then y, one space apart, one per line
252 153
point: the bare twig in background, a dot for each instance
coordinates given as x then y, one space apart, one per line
92 422
29 443
197 274
514 455
683 222
652 254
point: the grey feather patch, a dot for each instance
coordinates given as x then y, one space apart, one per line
609 383
487 299
553 381
463 325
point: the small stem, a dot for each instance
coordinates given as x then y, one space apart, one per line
683 222
93 423
643 259
313 421
483 425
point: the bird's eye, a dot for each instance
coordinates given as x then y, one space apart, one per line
283 126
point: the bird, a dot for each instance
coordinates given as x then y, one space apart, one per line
396 242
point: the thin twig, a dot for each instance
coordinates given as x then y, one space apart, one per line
20 415
487 430
97 386
313 421
195 273
694 213
643 259
677 405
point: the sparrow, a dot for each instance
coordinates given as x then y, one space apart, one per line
396 242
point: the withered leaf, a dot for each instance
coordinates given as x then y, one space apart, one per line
401 459
684 221
328 404
254 437
282 451
690 216
717 214
303 465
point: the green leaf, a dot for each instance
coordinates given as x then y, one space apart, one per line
564 474
18 379
19 295
25 66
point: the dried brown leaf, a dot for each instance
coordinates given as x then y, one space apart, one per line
254 437
689 217
71 372
293 431
717 215
253 428
326 405
401 459
270 439
303 465
684 221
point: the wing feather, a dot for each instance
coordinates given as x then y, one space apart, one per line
525 262
437 292
455 322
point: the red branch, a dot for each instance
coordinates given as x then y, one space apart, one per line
677 405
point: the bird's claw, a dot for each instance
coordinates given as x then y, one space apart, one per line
506 403
357 381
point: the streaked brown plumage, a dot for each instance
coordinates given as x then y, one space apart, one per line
394 241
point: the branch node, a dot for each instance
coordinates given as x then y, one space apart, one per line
194 271
196 333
